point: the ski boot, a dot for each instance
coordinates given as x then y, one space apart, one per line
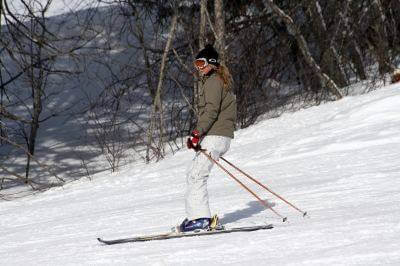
199 225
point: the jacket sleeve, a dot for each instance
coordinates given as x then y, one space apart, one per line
213 98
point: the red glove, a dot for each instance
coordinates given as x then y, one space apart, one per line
193 141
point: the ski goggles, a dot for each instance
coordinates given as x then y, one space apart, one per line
200 63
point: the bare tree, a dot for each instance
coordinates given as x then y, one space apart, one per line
330 63
1 12
203 23
353 48
378 37
293 29
220 29
134 65
30 49
157 119
25 179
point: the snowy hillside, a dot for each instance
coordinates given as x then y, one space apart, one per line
339 161
56 7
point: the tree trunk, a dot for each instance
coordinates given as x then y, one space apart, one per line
1 13
140 36
2 131
220 29
37 92
157 109
294 30
203 23
37 110
330 60
379 36
354 50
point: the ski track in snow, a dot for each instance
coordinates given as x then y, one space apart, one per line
339 161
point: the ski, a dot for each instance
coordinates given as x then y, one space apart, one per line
172 235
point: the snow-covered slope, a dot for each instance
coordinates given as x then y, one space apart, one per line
339 161
56 7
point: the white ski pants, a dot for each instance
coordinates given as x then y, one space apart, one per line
196 197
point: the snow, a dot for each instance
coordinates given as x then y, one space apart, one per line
339 161
56 7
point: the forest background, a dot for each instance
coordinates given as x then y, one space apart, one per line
111 82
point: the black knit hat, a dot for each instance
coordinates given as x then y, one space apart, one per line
210 54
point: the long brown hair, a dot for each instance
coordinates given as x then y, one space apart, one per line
226 77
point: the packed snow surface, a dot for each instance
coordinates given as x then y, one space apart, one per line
340 162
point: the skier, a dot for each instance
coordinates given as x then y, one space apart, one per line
214 131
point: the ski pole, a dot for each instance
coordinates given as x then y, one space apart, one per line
244 186
263 186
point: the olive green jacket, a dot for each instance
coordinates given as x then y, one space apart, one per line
217 108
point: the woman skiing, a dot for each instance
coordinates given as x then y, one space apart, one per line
214 132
